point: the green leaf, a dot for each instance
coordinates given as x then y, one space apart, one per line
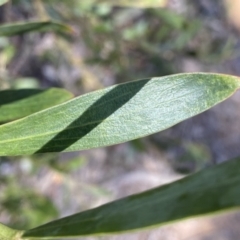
116 114
25 27
209 191
7 233
3 2
15 104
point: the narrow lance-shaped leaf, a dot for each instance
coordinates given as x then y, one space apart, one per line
7 233
3 2
15 104
25 27
208 191
116 114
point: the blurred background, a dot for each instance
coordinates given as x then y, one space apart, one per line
114 43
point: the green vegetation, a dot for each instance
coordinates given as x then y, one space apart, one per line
44 121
